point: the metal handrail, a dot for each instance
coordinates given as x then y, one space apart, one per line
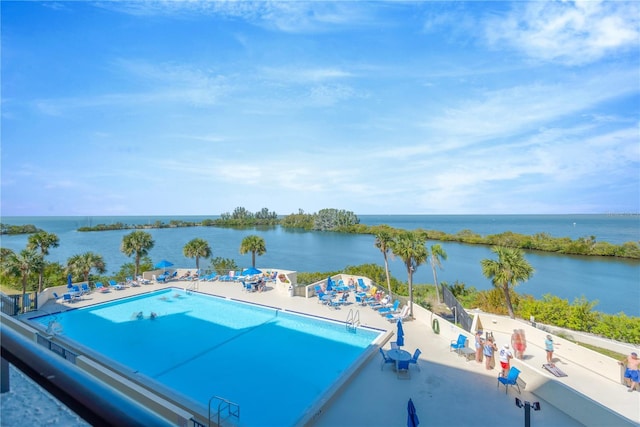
353 320
94 401
228 405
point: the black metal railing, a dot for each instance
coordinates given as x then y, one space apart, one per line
460 315
14 304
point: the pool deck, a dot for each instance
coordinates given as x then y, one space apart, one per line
448 389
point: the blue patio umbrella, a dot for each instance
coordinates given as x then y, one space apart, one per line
412 417
251 271
400 337
163 264
69 281
329 284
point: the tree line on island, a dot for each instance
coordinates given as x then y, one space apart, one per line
343 221
28 270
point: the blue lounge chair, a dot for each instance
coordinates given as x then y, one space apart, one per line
85 288
383 303
414 359
113 284
385 359
393 317
390 310
56 296
101 288
510 380
327 299
459 344
67 298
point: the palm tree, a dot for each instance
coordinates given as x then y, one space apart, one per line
410 247
507 271
82 264
383 241
43 241
197 248
255 245
22 265
436 254
138 243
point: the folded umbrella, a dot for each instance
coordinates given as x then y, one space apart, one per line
400 337
412 417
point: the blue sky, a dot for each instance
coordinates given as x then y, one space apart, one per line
138 108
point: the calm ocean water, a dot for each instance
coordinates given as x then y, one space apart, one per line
614 283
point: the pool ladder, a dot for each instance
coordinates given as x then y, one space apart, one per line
192 287
225 411
353 320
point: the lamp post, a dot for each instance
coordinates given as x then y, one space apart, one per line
527 410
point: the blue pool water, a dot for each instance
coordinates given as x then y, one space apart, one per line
274 364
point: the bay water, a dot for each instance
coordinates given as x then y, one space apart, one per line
613 282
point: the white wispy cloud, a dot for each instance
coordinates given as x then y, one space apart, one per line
568 32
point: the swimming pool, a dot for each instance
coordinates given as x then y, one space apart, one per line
274 364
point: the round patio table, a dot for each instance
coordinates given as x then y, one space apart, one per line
399 355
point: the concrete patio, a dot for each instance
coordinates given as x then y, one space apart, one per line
448 389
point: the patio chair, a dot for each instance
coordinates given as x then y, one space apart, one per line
404 313
460 343
383 303
248 287
402 369
56 296
385 359
273 277
414 358
390 310
360 300
85 288
101 288
510 380
113 284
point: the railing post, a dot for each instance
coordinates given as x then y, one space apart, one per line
5 386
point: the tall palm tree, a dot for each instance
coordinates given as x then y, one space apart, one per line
43 241
436 254
505 272
138 243
383 242
255 245
22 265
410 247
83 264
197 248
